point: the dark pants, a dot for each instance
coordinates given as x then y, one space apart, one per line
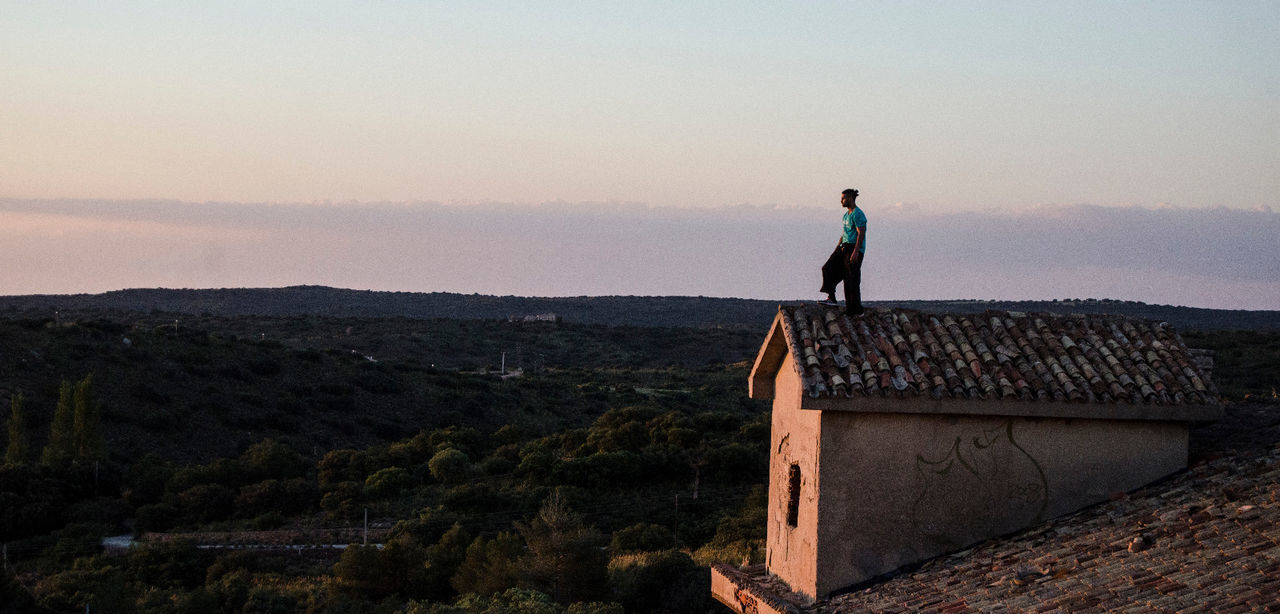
839 267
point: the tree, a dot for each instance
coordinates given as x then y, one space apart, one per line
667 581
388 482
442 561
19 446
566 558
510 601
207 503
86 422
491 565
287 497
338 466
451 466
360 571
642 537
269 459
396 569
62 438
740 537
76 431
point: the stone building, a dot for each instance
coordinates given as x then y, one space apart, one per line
538 317
901 436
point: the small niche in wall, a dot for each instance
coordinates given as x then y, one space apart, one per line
793 495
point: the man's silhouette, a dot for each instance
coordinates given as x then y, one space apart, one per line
845 264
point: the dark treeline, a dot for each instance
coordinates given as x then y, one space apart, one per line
647 311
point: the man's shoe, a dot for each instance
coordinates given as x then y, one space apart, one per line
828 301
855 313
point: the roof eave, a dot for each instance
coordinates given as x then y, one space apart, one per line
760 384
1030 409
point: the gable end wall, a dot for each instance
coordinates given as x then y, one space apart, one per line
791 552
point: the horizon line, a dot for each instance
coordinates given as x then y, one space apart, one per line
1068 301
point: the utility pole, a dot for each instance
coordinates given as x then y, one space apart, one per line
676 531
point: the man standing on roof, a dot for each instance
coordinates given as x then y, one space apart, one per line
845 264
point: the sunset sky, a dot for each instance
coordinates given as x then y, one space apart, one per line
1003 149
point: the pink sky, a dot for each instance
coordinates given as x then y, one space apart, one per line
1220 258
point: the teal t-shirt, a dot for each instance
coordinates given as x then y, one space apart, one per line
855 218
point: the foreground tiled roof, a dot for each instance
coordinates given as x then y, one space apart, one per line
1205 540
992 355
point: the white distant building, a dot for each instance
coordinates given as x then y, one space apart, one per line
541 317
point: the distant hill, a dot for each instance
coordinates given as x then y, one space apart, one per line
212 385
648 311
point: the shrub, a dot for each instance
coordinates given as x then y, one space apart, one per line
642 537
342 502
207 503
740 537
490 565
279 496
224 471
74 541
389 482
450 466
667 581
156 517
506 435
564 557
496 465
268 521
361 571
601 468
145 480
736 462
535 463
101 586
466 439
594 607
477 497
272 459
510 601
339 466
168 565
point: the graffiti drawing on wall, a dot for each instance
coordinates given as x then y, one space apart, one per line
984 482
746 601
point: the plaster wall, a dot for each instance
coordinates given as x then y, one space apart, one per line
902 488
791 552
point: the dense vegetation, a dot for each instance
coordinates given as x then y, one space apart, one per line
600 473
1246 363
608 472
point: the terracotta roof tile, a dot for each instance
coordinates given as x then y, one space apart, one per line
994 355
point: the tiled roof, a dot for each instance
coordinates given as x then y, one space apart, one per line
992 355
1205 540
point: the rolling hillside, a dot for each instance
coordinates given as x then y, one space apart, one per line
649 311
